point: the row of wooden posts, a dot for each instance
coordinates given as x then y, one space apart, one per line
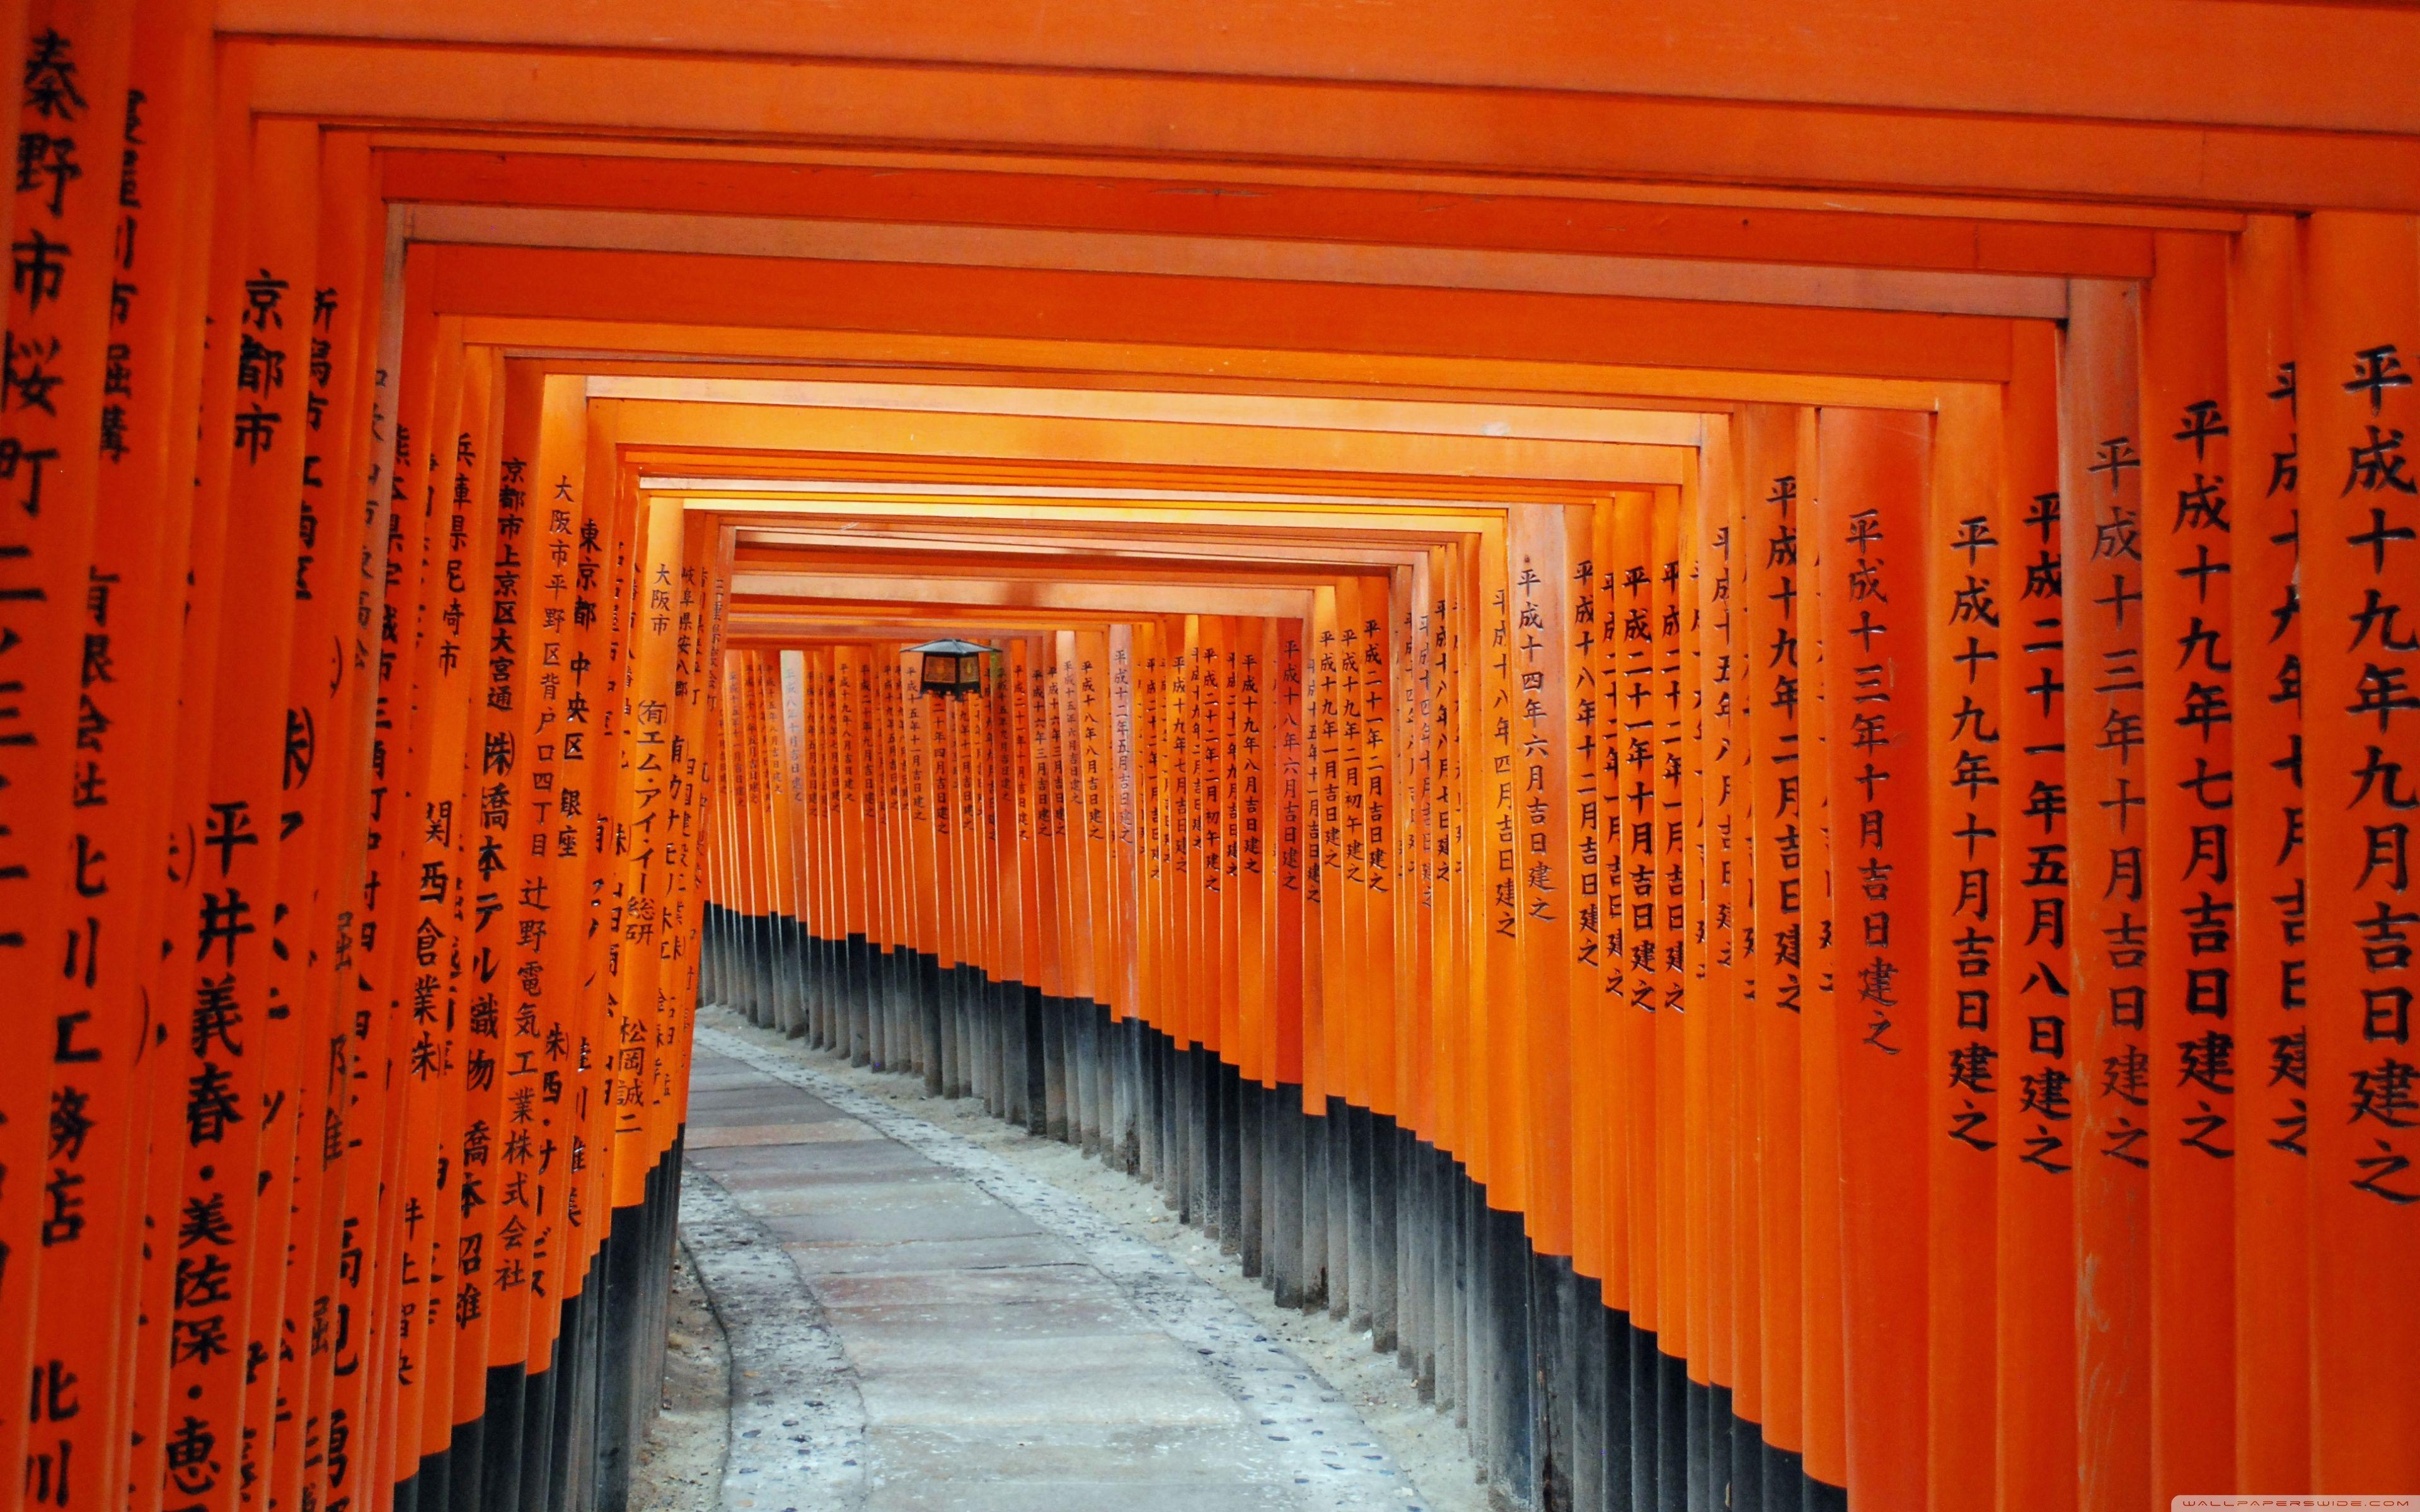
1872 919
353 789
1873 923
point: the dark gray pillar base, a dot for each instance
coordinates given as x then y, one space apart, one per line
930 980
790 941
1138 1116
1413 1235
1054 1068
1358 1229
1314 1132
1227 1091
1337 1152
1703 1486
1385 1280
500 1422
942 1072
1747 1460
1281 1230
1173 1139
856 1001
1145 1050
1191 1085
1084 1112
1553 1410
1034 1069
1445 1211
1512 1461
1672 1432
1259 1191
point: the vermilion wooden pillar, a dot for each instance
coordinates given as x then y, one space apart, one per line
1873 484
1965 744
1776 485
75 74
2040 1015
2357 323
2272 1301
2101 504
2190 698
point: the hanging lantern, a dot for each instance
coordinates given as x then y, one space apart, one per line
952 667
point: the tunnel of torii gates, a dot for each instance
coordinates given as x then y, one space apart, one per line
1659 714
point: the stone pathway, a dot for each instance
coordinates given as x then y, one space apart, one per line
948 1332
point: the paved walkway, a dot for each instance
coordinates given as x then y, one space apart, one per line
948 1332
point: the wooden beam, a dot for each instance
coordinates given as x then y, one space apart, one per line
2306 67
2336 155
1251 201
597 343
1763 281
1637 427
1118 307
733 429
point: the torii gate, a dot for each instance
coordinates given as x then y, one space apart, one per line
1925 1014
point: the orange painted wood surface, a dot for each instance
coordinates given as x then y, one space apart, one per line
1714 618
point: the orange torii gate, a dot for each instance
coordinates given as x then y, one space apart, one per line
1789 943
